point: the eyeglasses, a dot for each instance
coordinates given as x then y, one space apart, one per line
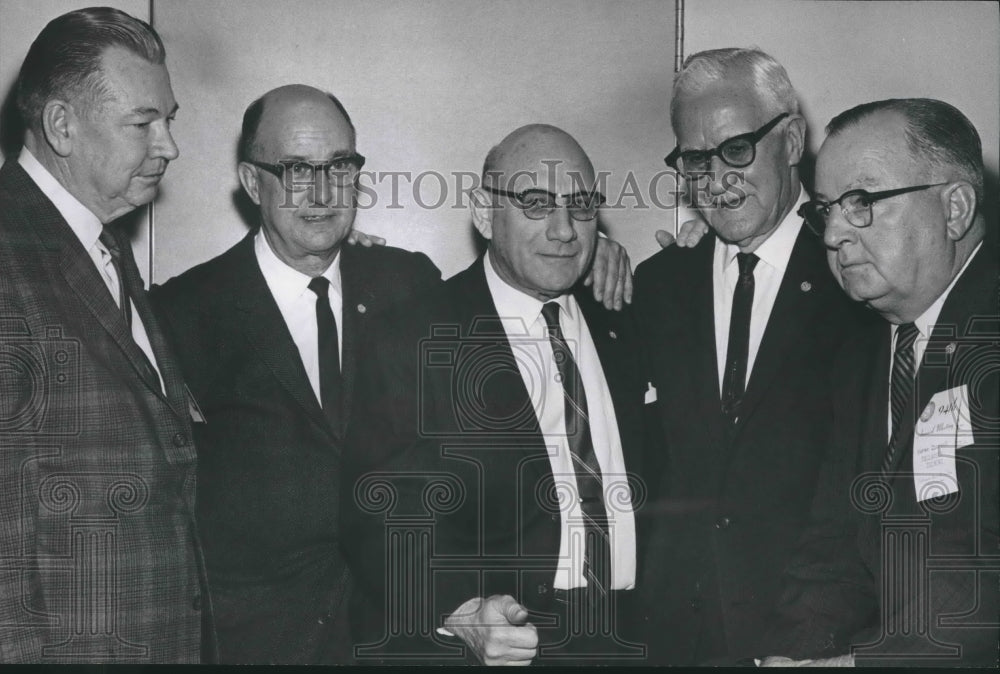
539 204
298 174
856 205
737 152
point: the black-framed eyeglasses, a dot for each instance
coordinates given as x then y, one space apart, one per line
737 152
856 205
298 174
539 204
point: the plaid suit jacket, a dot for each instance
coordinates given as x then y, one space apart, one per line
99 558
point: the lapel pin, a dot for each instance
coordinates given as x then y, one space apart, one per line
612 334
950 349
805 286
362 308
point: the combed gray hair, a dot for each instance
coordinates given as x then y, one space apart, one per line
64 61
767 76
936 133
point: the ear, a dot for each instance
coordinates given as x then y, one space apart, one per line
959 202
59 122
249 179
482 212
795 139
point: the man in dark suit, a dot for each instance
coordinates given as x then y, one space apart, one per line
500 417
99 557
737 335
262 355
900 566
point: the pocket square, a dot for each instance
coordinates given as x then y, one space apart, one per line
650 393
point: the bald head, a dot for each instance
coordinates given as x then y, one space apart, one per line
536 210
537 152
276 104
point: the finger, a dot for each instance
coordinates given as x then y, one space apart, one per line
618 292
664 238
514 612
612 291
628 282
377 240
352 237
599 272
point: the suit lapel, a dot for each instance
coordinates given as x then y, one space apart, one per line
84 282
265 330
969 297
800 298
359 300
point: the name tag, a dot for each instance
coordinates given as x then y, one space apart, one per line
944 426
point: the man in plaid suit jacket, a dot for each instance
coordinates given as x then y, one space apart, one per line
99 557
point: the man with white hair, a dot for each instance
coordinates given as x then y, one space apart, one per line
737 335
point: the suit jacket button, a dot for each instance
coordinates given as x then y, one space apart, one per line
554 518
543 588
179 440
323 618
196 602
722 523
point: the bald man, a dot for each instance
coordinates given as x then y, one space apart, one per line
501 416
262 331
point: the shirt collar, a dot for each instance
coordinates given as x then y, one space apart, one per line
80 219
517 310
289 284
776 249
926 321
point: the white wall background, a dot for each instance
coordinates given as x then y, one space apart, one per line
430 85
433 84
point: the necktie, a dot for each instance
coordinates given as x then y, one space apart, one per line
124 302
329 358
129 290
597 546
900 384
734 379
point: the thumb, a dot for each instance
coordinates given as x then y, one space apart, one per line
664 238
513 611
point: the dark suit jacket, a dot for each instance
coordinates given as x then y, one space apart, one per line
845 586
269 461
730 504
99 559
444 425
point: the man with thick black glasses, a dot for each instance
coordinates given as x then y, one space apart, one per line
899 566
737 335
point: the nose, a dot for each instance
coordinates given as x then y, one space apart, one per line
322 189
717 171
164 145
560 226
838 230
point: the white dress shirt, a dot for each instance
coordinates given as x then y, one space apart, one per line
774 254
521 316
87 228
924 323
297 303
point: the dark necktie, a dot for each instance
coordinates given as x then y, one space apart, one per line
900 385
597 548
737 352
124 297
129 290
329 358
